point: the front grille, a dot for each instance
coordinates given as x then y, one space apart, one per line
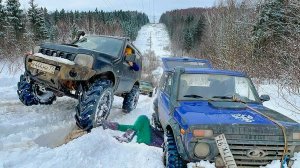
244 139
56 53
241 154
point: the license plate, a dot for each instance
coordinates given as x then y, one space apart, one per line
225 151
43 67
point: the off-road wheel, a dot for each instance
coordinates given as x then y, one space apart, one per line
94 105
25 92
43 96
171 155
131 99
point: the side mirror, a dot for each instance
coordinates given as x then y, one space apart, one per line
264 98
130 58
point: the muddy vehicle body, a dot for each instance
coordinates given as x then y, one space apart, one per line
194 106
92 69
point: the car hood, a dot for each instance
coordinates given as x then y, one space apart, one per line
74 50
226 113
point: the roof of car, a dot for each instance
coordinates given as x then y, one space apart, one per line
169 63
116 37
214 71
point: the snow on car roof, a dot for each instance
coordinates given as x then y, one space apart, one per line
214 71
172 62
194 65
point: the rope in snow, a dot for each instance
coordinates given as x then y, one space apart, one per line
283 158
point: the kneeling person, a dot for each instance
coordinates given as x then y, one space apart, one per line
141 128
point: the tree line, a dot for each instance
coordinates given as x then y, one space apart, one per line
261 39
20 30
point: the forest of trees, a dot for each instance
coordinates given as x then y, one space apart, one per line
20 30
261 39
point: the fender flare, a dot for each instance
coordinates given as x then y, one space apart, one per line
180 146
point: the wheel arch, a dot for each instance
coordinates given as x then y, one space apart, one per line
171 128
104 75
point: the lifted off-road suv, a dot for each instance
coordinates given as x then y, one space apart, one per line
198 107
91 69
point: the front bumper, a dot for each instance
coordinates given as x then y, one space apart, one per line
240 150
63 73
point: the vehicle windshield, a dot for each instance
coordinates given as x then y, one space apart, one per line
106 45
146 84
216 87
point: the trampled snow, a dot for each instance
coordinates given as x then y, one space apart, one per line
34 136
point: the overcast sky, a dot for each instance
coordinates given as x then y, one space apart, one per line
150 7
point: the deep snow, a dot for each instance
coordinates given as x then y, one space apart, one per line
33 136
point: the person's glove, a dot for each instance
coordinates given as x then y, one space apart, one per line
109 125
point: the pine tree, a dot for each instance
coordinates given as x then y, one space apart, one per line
53 33
37 22
271 20
2 20
56 16
188 40
14 18
199 29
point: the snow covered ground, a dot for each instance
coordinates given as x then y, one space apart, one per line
34 136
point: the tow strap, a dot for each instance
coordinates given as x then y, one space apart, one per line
283 158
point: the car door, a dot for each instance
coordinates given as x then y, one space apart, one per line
164 99
129 75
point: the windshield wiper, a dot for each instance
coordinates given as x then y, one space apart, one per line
74 45
223 97
234 98
193 96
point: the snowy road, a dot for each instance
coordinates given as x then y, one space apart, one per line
33 136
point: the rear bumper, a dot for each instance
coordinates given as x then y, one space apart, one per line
145 92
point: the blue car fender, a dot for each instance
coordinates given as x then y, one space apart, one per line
179 143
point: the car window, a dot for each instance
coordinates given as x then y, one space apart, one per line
166 82
146 84
106 45
212 86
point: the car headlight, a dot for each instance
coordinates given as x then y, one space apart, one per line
203 133
202 150
296 136
84 60
36 49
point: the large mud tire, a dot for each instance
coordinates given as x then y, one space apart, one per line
131 99
95 105
172 157
29 94
25 92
